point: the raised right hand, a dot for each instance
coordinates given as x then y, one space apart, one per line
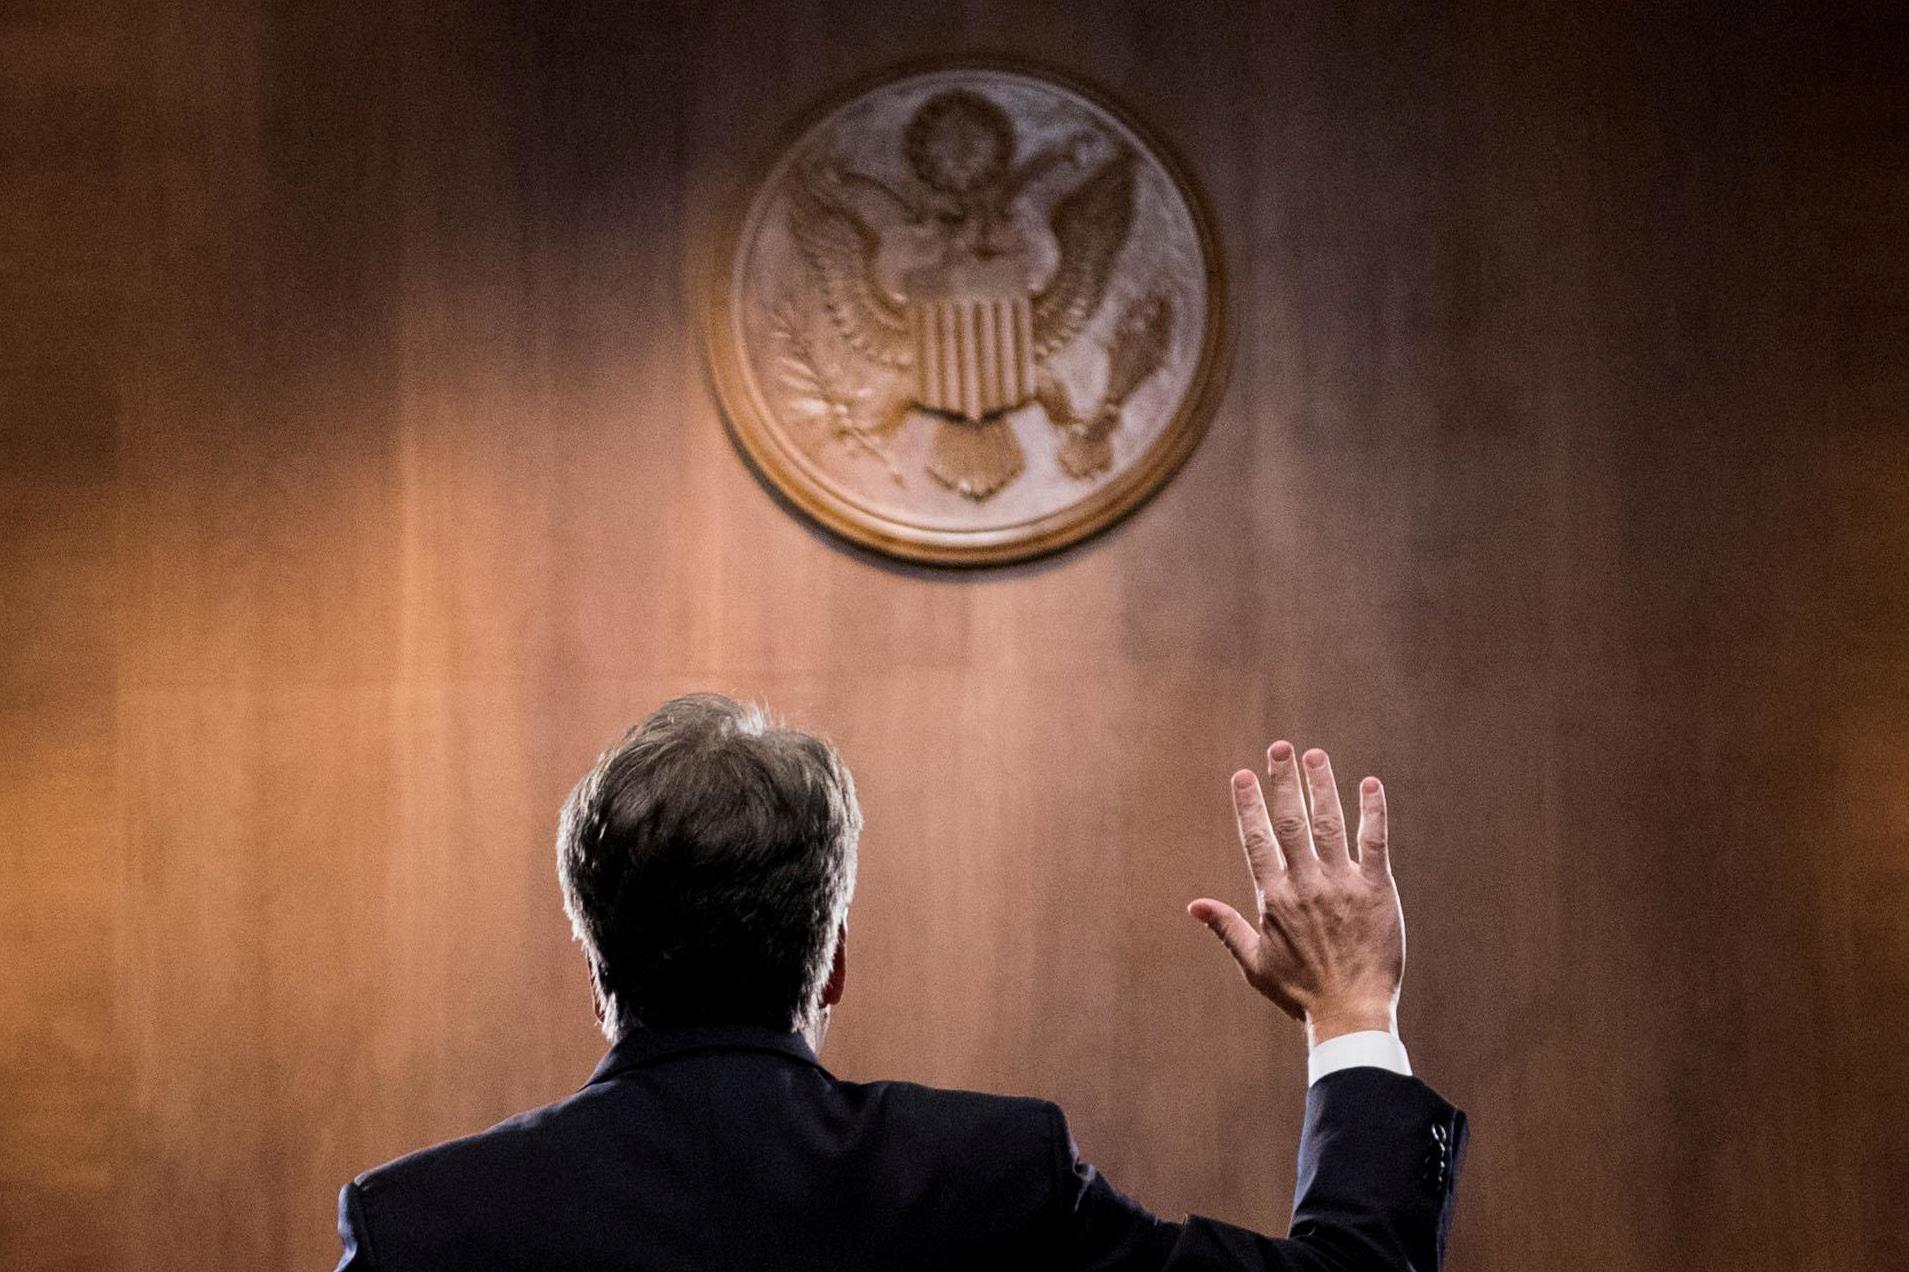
1329 944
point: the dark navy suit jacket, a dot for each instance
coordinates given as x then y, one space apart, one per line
733 1149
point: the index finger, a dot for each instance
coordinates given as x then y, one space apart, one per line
1256 831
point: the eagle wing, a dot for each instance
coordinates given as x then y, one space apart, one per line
840 248
1091 224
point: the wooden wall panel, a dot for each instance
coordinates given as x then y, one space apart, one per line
361 482
59 908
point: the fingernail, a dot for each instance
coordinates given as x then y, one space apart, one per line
1370 786
1242 781
1281 752
1315 758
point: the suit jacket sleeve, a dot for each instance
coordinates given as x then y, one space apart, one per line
353 1232
1378 1168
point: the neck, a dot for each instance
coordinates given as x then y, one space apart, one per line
815 1030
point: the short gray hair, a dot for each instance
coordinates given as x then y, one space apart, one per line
707 862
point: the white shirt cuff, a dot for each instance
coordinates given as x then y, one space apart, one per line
1374 1048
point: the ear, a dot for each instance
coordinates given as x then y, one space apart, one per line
838 974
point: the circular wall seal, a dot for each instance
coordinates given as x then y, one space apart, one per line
970 315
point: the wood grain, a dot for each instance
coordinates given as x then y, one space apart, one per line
361 481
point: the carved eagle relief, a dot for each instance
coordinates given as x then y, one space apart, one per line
972 313
955 280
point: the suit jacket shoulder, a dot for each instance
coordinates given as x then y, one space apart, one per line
721 1158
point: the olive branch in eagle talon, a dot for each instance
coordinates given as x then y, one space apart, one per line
814 391
947 275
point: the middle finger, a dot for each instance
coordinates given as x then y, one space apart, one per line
1288 807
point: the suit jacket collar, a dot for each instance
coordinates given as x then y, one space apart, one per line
646 1046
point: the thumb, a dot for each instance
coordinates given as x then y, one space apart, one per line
1238 936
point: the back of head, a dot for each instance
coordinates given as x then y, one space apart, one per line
707 862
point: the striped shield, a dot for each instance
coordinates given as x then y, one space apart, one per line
973 358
